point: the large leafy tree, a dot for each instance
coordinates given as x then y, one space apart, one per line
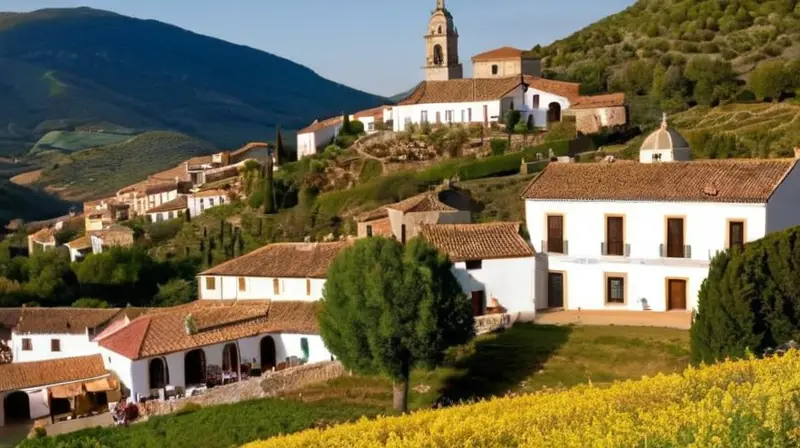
750 300
388 308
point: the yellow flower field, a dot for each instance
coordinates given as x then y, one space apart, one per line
753 403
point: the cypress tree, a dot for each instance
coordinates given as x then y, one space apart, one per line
280 152
269 193
347 129
221 232
241 244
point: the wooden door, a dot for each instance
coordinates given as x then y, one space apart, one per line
555 290
268 351
478 302
675 240
676 290
736 234
615 236
555 234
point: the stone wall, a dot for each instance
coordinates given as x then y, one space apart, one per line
292 379
590 121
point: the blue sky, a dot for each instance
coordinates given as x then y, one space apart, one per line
372 45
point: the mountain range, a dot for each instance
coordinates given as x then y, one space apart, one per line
62 68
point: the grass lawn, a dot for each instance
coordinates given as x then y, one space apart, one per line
526 358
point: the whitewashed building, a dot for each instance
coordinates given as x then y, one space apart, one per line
640 236
201 201
493 263
318 134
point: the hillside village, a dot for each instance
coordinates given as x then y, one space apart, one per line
601 240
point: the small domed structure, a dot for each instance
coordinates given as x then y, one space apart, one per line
665 145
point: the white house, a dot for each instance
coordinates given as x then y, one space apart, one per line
493 263
203 200
148 194
640 236
371 117
317 135
39 389
93 242
168 210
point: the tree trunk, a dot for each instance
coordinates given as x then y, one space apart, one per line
400 390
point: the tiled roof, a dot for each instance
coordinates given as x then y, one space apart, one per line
83 242
163 331
24 375
178 203
599 101
378 213
283 260
461 90
376 112
318 125
45 235
742 180
462 242
500 53
115 235
568 90
210 193
248 147
200 160
9 317
179 172
425 202
63 320
161 188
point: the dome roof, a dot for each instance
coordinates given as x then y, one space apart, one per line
665 138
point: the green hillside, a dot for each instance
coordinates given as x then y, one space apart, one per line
65 68
104 170
71 141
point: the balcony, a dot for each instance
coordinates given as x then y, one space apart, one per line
675 251
556 247
615 249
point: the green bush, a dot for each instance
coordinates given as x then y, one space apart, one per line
512 118
521 128
499 146
160 232
356 127
750 299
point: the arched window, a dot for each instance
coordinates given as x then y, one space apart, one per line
268 358
438 55
554 113
194 367
159 375
495 69
440 29
17 407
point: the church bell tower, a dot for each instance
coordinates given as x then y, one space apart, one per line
441 42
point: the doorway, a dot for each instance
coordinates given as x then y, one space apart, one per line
478 302
676 294
555 290
267 354
159 377
17 407
230 358
194 365
554 113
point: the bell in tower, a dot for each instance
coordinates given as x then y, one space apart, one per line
441 42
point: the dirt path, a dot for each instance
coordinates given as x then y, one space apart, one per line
27 178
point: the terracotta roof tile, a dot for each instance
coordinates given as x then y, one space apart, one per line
46 235
250 146
63 320
568 90
161 188
83 242
462 242
375 112
9 317
501 53
599 101
461 90
179 203
742 180
210 193
163 331
24 375
179 172
319 125
283 260
425 202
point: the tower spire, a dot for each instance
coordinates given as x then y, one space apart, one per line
439 4
663 120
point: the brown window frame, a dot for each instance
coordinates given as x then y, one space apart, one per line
242 284
27 345
308 286
537 101
276 286
211 283
674 250
555 248
55 345
611 277
743 232
615 244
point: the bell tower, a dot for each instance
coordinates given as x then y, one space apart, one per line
441 42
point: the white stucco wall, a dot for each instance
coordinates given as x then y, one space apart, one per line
414 113
644 230
510 281
540 113
667 155
783 208
308 142
261 288
72 345
198 205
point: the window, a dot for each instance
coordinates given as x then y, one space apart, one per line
403 234
438 118
469 115
211 283
535 101
202 205
210 202
55 345
463 115
370 127
308 286
305 348
675 238
242 284
735 234
615 289
512 104
424 116
495 69
27 345
555 234
473 265
615 239
657 157
369 231
448 116
276 286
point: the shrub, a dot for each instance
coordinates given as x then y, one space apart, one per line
512 118
560 131
521 128
750 299
744 403
356 127
499 146
769 80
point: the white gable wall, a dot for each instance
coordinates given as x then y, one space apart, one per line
261 288
540 113
72 345
413 113
307 143
198 205
510 281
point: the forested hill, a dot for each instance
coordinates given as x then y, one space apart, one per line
66 67
742 32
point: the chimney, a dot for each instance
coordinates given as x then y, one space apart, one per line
797 152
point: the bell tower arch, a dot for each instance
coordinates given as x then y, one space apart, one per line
441 41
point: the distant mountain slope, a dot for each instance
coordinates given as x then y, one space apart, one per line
743 32
22 202
61 68
102 171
